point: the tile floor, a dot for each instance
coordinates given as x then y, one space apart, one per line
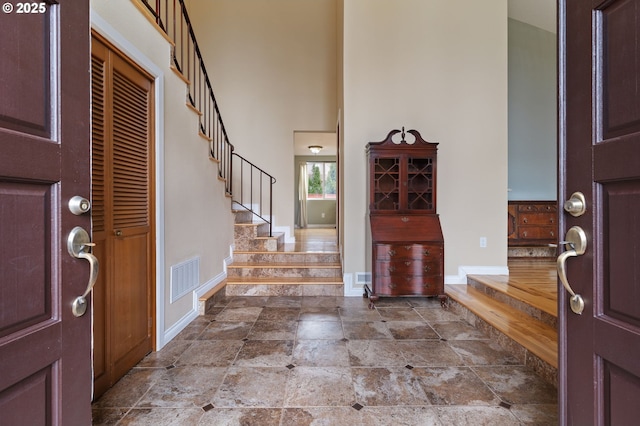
329 361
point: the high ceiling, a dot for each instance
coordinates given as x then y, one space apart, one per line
539 13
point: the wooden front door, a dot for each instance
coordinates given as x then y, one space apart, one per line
600 157
122 100
45 350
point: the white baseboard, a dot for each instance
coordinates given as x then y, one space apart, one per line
180 325
192 314
349 289
288 238
463 271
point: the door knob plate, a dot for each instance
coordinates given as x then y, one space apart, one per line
576 239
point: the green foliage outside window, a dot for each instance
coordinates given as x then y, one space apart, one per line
315 181
330 181
321 180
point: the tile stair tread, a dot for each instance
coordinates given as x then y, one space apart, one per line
310 253
323 265
537 337
284 280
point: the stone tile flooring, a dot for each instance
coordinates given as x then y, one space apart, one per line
329 361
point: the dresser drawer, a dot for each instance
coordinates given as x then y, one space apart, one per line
532 223
408 267
394 286
542 207
537 232
537 219
408 251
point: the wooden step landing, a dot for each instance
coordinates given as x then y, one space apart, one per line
527 298
210 298
538 294
529 339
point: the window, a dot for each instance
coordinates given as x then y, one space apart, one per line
321 181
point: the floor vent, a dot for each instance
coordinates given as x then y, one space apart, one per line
185 277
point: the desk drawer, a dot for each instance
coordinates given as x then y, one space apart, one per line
408 251
412 267
409 285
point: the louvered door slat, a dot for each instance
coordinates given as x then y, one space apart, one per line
129 131
131 152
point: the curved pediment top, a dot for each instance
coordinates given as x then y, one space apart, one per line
395 141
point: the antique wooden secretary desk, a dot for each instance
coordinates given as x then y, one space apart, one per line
407 241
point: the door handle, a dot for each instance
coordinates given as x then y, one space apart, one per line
576 239
78 245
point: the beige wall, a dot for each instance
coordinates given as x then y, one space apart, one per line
440 68
273 70
197 215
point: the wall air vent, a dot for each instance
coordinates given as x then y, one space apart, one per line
363 278
185 277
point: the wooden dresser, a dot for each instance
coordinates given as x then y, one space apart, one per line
407 241
532 223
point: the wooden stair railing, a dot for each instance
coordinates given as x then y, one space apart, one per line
172 18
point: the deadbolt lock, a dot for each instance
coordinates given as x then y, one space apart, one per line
79 205
576 205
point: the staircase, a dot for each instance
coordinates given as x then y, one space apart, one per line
265 266
522 319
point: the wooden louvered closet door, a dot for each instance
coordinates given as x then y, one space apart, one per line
122 213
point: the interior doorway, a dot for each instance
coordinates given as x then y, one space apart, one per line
532 133
316 179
